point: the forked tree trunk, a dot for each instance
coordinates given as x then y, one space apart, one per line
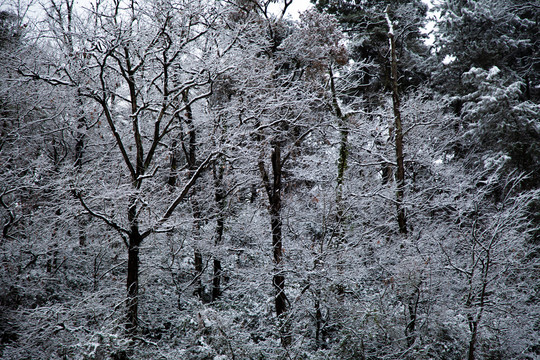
477 301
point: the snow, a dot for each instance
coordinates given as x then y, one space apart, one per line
448 59
494 71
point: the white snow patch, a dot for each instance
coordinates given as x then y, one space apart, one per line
494 71
448 59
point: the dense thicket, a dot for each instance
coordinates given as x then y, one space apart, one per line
214 180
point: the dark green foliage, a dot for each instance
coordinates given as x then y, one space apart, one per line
484 34
364 22
494 82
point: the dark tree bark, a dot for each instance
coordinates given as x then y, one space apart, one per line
198 265
80 135
400 173
477 298
276 223
134 241
472 341
343 155
318 325
191 156
412 307
218 171
174 164
79 153
273 189
133 282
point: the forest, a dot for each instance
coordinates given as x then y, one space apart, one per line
222 180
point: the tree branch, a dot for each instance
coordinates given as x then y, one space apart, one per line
102 217
182 195
295 144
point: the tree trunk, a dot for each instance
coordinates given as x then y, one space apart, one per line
216 281
279 278
273 189
79 153
410 329
134 241
198 264
191 155
197 255
220 222
400 174
473 325
318 325
133 281
174 164
80 135
275 221
343 156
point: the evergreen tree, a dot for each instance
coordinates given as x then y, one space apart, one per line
484 34
365 24
492 73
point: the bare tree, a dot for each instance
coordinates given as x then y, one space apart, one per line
492 250
133 68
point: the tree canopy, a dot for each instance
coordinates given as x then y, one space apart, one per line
215 180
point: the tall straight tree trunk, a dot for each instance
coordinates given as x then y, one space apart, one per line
191 155
80 135
65 20
273 189
79 153
400 174
278 278
343 155
174 164
472 341
318 325
276 223
220 222
197 255
133 282
134 242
